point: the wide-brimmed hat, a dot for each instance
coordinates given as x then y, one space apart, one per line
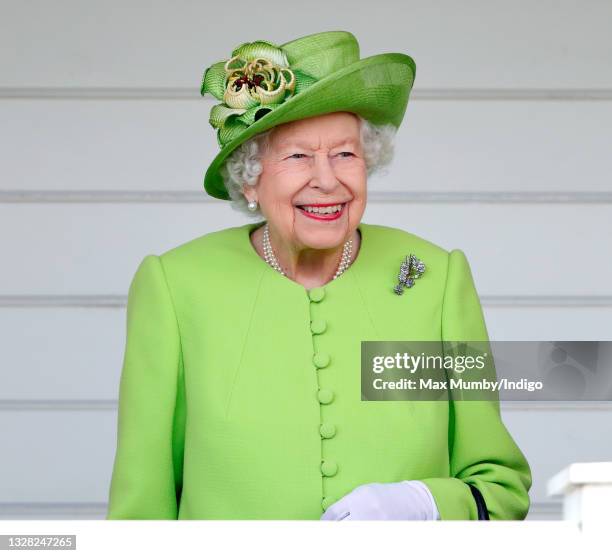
262 85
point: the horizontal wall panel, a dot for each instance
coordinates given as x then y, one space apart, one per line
67 456
65 511
166 145
59 354
161 44
551 440
56 456
56 354
148 145
567 324
83 249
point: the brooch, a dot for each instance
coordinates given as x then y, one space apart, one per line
411 269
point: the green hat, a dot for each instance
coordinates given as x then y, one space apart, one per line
263 85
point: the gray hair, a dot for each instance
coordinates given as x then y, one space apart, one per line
243 166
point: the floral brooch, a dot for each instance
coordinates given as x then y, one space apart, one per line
255 80
410 270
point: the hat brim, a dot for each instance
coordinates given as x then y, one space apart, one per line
377 88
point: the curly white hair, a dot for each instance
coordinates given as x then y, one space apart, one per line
243 166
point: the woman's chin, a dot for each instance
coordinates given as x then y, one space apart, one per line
321 237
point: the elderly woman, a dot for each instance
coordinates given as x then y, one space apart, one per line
240 390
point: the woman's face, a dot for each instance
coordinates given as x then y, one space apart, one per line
315 161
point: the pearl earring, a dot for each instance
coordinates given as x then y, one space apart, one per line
252 206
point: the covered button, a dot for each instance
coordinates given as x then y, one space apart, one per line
320 359
329 468
316 294
325 396
327 502
327 430
318 326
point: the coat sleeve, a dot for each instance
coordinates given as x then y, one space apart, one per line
481 450
146 479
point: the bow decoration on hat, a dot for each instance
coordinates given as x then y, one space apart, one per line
254 81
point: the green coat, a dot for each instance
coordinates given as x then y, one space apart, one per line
220 415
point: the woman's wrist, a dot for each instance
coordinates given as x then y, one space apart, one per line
434 515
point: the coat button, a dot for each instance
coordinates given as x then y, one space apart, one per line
329 468
325 396
327 430
320 359
327 502
316 294
318 326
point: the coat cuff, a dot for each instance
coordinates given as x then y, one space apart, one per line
453 498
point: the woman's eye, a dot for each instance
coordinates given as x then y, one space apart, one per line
344 154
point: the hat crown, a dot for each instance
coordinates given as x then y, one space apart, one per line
322 54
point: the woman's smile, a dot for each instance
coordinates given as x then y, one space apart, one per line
322 212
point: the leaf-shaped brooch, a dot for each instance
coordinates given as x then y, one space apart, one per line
410 270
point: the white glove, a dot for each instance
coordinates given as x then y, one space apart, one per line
410 500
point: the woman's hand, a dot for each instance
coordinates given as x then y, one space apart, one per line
410 500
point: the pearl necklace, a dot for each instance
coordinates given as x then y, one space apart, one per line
345 261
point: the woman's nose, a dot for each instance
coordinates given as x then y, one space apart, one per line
323 172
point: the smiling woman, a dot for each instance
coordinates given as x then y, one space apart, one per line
240 396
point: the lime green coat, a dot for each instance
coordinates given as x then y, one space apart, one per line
220 411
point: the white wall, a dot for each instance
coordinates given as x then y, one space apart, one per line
504 153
